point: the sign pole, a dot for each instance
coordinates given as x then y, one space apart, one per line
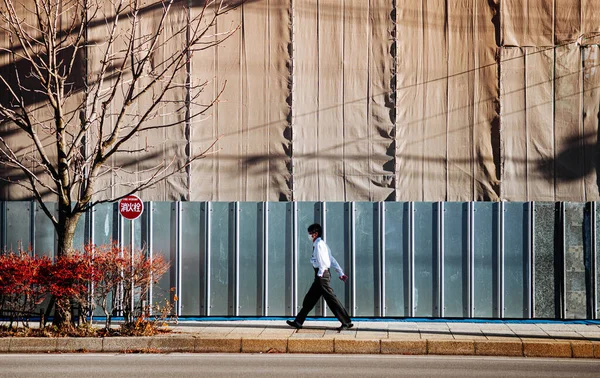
131 207
132 234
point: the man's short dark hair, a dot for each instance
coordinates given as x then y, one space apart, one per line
315 228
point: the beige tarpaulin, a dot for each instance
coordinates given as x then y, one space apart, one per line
251 116
421 100
447 98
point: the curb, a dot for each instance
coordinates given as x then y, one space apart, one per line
194 344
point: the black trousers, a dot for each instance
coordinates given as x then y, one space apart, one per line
320 287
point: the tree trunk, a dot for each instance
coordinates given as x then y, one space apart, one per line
65 232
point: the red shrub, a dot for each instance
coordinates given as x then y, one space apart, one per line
22 283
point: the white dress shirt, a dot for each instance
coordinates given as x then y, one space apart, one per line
322 259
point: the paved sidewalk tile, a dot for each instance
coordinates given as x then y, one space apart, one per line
584 327
592 336
370 334
218 330
472 335
415 335
246 332
565 335
314 332
533 336
277 333
500 334
426 335
433 326
555 327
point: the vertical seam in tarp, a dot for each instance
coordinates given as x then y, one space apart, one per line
344 176
394 90
422 120
268 106
188 128
500 121
370 95
317 151
582 112
474 119
554 116
291 103
525 87
447 32
216 121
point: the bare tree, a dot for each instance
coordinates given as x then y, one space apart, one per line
79 115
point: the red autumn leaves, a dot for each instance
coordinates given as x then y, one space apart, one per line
87 277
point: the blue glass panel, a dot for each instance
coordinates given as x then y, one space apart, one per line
547 292
456 259
192 241
44 231
103 224
164 236
222 244
516 226
575 258
425 259
396 259
280 259
18 221
136 232
250 258
337 227
308 213
366 233
486 228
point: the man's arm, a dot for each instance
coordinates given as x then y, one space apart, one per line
338 268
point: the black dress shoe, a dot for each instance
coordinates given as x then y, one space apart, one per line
346 326
294 324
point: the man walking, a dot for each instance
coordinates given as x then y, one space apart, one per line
322 261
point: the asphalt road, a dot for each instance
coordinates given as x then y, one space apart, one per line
287 365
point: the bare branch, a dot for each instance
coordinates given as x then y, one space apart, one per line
74 126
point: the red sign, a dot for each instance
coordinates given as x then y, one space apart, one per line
131 207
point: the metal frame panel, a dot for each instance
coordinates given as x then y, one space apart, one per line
336 225
516 260
250 258
192 239
513 260
486 248
426 263
455 259
366 259
396 251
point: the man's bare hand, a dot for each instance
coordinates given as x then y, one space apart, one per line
344 278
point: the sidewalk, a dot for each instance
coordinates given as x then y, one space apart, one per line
494 338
